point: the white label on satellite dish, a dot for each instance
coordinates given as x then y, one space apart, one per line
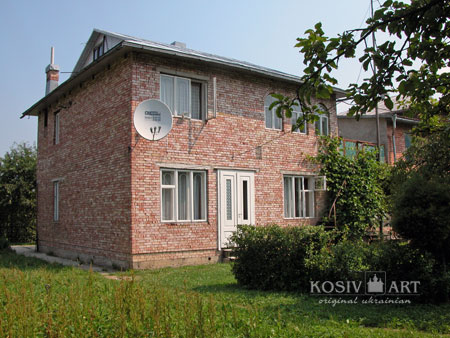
152 119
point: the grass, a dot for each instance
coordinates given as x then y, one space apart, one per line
47 300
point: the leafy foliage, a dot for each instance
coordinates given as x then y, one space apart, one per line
274 258
355 188
18 194
421 197
417 32
422 214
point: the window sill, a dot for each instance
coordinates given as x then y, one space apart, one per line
184 222
187 118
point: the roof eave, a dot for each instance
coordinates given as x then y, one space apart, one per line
72 82
187 55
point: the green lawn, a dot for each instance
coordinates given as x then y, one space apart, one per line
42 300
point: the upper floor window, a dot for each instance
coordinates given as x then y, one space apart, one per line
296 114
100 49
322 125
272 120
56 129
183 195
185 97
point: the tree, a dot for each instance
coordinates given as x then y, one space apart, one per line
355 188
18 194
418 32
421 196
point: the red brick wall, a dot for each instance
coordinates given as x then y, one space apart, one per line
110 192
93 161
400 131
226 141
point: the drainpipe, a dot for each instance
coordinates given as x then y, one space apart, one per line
394 125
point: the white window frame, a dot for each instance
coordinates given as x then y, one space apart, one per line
303 193
56 194
268 100
296 114
203 94
190 201
322 117
57 128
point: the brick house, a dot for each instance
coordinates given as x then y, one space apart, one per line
107 195
395 132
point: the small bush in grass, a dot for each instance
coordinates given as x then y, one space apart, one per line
4 244
274 258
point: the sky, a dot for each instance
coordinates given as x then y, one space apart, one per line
262 32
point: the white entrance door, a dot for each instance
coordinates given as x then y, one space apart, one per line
236 202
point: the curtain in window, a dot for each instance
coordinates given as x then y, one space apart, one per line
288 197
183 196
183 97
167 91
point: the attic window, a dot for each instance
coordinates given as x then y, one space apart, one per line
100 49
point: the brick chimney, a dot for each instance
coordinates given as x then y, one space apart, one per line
52 72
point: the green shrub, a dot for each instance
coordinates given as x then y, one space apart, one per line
343 260
422 215
273 258
276 258
4 244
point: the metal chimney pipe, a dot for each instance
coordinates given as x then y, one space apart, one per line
52 72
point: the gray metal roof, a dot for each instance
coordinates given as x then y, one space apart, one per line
165 49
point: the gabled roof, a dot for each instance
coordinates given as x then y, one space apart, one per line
122 41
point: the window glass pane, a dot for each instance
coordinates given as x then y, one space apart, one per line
324 125
56 128
288 197
167 204
268 117
277 120
182 97
309 204
317 127
306 185
229 206
295 117
382 155
167 178
245 200
56 201
167 91
407 140
199 198
298 198
350 149
196 100
183 196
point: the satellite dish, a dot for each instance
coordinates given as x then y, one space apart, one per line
152 119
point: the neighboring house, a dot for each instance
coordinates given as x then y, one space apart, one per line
395 137
107 195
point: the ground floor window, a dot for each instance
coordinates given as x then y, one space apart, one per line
183 195
56 201
299 195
